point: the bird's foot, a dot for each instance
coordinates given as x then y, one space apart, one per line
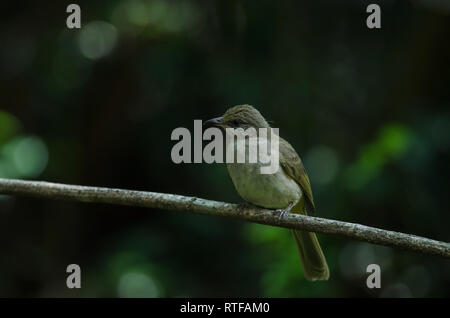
284 211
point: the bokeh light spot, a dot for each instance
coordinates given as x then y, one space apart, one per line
138 12
134 284
9 126
394 139
97 39
29 156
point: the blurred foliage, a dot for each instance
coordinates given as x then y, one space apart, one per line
367 110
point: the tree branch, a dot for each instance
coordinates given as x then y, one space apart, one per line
242 212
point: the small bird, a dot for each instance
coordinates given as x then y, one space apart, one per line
287 190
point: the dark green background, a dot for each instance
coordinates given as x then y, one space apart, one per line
367 110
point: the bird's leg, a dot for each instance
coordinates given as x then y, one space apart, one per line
284 211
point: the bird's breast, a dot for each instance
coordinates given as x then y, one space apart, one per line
272 191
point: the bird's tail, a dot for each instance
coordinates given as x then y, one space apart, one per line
315 265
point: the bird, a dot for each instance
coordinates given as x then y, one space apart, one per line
286 190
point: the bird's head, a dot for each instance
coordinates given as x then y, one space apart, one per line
240 116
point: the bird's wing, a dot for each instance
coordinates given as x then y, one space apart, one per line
293 167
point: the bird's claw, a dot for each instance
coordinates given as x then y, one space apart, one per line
284 211
281 212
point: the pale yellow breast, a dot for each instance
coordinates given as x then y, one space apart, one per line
272 191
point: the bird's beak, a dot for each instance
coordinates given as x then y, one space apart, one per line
215 122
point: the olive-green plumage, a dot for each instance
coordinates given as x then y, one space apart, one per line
290 185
